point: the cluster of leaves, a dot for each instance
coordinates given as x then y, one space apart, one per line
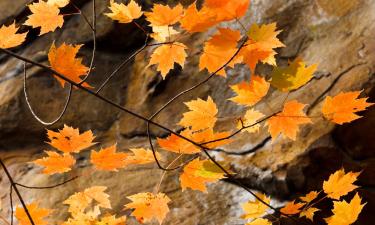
222 51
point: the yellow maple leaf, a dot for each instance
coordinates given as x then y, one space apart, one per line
38 214
69 140
163 15
256 208
309 213
198 173
292 77
56 163
250 119
167 55
202 114
124 13
111 220
340 184
63 60
219 49
46 16
9 37
345 213
250 93
287 122
108 159
292 208
148 206
310 196
260 221
58 3
163 33
342 108
141 156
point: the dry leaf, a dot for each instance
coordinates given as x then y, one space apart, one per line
163 15
292 208
124 13
9 37
108 159
56 163
346 213
340 184
38 214
250 93
250 120
255 209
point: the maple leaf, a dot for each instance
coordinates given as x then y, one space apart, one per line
252 53
309 213
340 184
256 208
108 159
63 60
345 213
124 13
259 221
292 208
56 163
162 33
111 220
9 37
190 23
58 3
310 196
199 172
38 214
163 15
287 122
218 50
202 114
69 140
292 77
141 156
230 10
250 93
46 16
250 119
148 206
168 54
342 108
88 217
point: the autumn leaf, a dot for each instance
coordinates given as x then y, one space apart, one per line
218 50
165 56
230 10
202 114
256 208
287 122
163 15
141 156
251 54
198 173
189 21
259 221
250 93
58 3
250 119
163 33
292 77
63 60
148 206
38 214
9 37
340 184
111 220
44 15
345 213
292 208
56 163
342 108
69 140
124 13
309 213
310 196
108 159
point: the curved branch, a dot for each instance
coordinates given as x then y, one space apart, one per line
31 109
47 187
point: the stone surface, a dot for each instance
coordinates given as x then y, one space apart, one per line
335 34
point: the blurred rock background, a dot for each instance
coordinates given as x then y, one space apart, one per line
336 34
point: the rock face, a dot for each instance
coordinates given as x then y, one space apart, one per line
338 35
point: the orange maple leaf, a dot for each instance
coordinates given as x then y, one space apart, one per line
228 10
46 16
38 214
340 184
141 156
124 13
63 60
199 172
287 122
292 208
342 108
148 206
252 53
108 159
310 196
218 50
69 140
163 15
9 37
250 93
56 163
167 55
190 23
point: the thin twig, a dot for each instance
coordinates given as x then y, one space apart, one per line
47 187
11 204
